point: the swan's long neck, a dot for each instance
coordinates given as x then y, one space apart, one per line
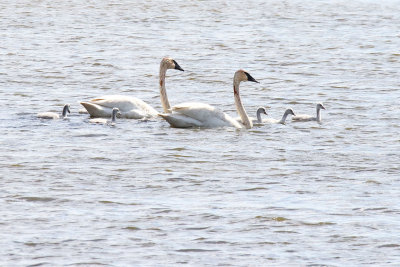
318 114
163 91
239 106
284 117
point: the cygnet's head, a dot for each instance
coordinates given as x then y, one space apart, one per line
66 109
115 111
262 110
169 63
242 75
289 111
320 106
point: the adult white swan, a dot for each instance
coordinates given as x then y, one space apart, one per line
305 117
53 115
131 107
203 115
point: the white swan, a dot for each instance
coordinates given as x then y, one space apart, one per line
288 112
203 115
131 107
53 115
257 120
115 112
305 117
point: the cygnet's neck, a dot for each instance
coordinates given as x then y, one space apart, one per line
239 106
284 117
163 91
259 111
64 112
114 116
319 114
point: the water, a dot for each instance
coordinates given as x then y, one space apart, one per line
144 194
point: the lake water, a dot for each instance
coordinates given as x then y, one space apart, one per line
144 194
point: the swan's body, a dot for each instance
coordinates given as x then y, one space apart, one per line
194 114
257 120
288 112
130 107
114 113
305 117
53 115
203 115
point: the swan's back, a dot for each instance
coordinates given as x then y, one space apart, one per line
193 114
48 115
130 107
124 102
303 117
270 120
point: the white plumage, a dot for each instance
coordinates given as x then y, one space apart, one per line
194 114
130 107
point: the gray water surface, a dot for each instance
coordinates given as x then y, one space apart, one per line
144 194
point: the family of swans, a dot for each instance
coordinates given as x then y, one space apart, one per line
185 115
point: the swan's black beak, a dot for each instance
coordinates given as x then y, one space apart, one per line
177 67
250 79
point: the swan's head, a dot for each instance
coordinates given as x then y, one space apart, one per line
320 106
169 63
289 111
241 76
